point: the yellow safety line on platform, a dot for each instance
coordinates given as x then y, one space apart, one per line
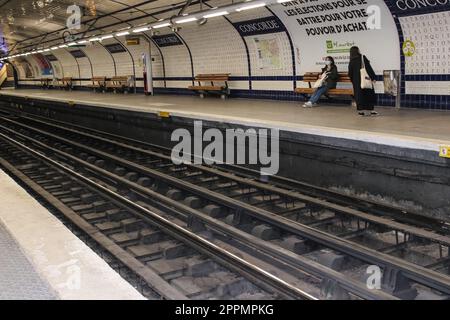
444 151
164 114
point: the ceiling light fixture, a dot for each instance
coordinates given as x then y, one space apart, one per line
186 20
202 21
161 25
251 6
123 33
141 29
215 14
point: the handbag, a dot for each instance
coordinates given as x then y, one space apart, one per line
319 82
366 82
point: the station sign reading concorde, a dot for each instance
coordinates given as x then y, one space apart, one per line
409 7
167 40
259 26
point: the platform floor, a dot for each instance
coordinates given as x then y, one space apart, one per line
41 259
410 128
18 278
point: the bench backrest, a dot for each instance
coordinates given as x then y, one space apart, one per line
212 77
343 77
120 78
314 76
121 81
98 79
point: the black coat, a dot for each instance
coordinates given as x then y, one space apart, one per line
332 77
365 98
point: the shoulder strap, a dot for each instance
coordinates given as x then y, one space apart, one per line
362 62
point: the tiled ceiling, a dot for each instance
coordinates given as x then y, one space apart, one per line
27 24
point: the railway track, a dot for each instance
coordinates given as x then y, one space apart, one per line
314 232
173 262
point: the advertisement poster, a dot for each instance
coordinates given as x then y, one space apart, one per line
330 28
44 66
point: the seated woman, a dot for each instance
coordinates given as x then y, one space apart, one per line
330 81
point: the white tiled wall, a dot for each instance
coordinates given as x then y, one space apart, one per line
176 60
35 66
68 62
216 47
428 87
102 62
137 50
430 34
20 71
124 62
272 85
58 70
85 70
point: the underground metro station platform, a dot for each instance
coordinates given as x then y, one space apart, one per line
218 150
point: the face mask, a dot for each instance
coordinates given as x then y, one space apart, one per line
328 62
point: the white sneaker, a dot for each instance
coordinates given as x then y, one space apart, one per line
308 105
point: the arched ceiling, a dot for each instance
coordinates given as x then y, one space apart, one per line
26 24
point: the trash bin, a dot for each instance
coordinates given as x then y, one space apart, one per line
391 80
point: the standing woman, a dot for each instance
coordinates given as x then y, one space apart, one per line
365 98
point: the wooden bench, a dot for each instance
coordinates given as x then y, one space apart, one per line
98 83
312 77
64 83
212 86
46 82
119 83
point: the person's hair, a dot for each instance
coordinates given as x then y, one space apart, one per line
354 52
331 59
